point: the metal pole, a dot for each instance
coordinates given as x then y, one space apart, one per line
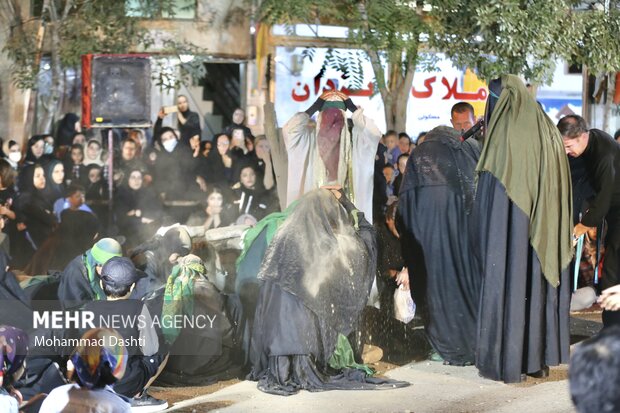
110 179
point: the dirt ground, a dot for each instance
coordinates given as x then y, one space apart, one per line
406 345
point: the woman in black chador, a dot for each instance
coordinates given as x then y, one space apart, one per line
316 277
436 198
522 236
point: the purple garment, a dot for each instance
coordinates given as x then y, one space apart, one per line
13 351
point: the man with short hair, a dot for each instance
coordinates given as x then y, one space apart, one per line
188 121
601 156
594 373
462 116
117 280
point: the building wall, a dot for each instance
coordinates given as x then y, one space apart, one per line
220 27
13 102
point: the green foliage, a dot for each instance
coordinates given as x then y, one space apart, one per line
96 26
495 37
599 45
182 56
389 28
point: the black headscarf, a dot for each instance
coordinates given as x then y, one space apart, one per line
442 159
53 191
66 129
30 158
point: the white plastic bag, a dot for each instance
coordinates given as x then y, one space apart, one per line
404 307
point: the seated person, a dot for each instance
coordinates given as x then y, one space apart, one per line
137 208
13 351
317 273
76 232
75 170
98 368
74 202
80 279
216 214
157 256
198 355
250 197
118 279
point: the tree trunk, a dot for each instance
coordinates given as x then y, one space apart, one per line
611 90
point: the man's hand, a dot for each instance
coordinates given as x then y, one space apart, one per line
581 229
181 118
610 298
161 114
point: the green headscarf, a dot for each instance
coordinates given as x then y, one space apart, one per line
179 293
525 152
99 254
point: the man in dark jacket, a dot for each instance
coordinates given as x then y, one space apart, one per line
601 156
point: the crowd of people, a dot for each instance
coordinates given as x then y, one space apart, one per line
158 178
462 223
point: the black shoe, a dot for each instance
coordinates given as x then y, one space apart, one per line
540 374
146 403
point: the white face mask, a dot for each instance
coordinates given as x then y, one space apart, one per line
169 145
15 157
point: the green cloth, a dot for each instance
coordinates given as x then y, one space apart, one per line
93 278
36 280
339 104
343 357
525 152
272 222
179 296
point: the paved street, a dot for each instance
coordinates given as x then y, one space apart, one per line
434 388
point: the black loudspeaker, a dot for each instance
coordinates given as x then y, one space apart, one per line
116 91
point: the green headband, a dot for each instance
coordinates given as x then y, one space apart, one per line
339 104
102 256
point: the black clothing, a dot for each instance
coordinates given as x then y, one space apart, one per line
75 174
254 202
66 129
150 206
74 235
173 174
199 357
14 305
52 191
191 126
302 307
434 204
34 210
74 289
228 130
596 183
602 161
525 327
216 172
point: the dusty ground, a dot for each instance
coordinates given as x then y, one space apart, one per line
435 388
